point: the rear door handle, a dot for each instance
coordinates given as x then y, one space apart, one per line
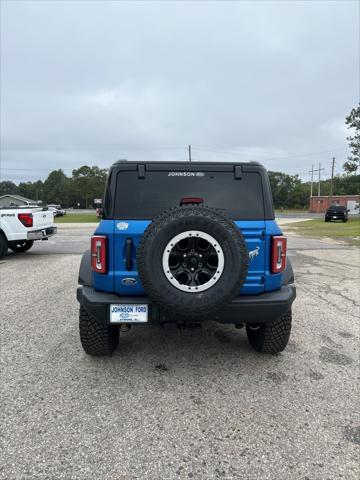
128 262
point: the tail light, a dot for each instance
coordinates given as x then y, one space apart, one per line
191 200
278 254
26 219
99 254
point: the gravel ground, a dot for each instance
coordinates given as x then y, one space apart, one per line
178 404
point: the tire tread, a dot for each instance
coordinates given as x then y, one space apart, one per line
271 337
3 245
97 338
200 311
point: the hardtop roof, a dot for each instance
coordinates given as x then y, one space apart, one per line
184 162
239 170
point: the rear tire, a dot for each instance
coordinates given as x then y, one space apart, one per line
21 246
187 299
3 245
97 338
270 337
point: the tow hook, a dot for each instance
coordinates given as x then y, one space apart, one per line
254 326
124 327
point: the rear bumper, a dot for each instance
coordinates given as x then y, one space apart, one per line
41 234
262 308
336 217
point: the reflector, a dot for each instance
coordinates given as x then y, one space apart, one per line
278 254
190 200
26 219
99 254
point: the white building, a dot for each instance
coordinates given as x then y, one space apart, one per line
10 200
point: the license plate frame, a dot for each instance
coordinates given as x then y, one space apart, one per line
128 313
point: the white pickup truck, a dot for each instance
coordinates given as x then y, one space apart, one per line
20 226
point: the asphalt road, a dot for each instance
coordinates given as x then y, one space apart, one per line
178 404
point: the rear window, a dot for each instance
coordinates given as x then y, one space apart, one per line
145 198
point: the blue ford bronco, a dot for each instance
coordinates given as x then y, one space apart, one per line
186 242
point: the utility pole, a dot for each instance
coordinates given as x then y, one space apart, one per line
312 180
189 153
319 178
312 171
332 176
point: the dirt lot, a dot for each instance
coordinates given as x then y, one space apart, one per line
178 404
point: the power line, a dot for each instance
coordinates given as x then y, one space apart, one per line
33 169
142 146
332 176
190 157
86 148
251 152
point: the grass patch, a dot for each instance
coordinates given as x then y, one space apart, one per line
348 232
290 211
77 218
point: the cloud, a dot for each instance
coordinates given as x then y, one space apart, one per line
90 82
335 129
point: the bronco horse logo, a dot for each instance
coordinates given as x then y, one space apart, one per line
254 253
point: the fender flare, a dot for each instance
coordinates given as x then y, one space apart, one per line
288 275
85 272
2 232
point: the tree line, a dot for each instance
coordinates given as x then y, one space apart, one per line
289 191
78 191
87 183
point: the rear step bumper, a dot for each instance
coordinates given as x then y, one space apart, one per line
41 234
262 308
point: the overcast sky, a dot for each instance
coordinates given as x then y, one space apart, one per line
88 82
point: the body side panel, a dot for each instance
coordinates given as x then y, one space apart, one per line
257 236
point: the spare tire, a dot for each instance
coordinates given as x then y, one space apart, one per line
192 261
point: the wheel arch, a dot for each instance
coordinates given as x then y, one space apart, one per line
4 244
85 272
288 275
